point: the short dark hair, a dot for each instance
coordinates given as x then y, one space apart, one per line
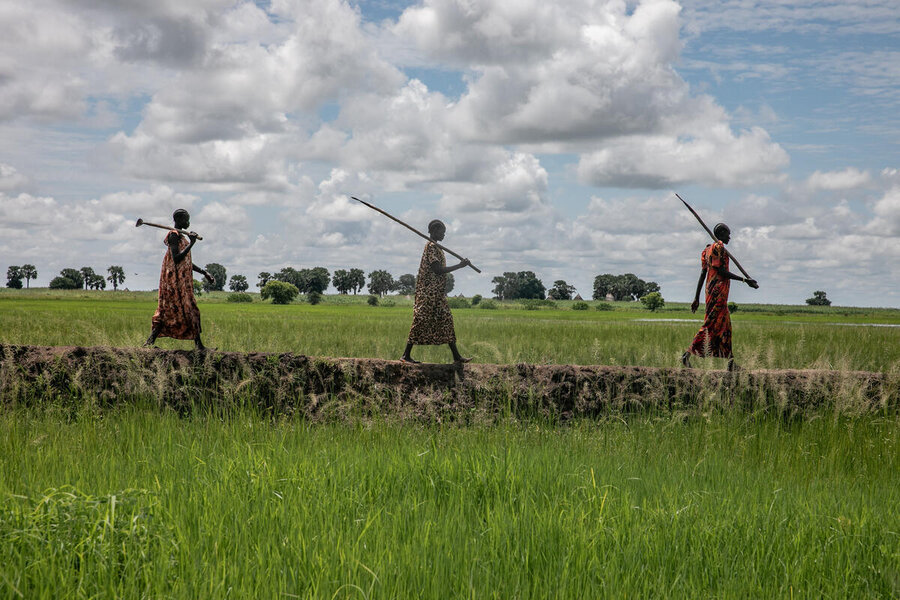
719 229
434 224
180 213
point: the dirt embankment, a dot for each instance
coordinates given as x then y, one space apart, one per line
337 388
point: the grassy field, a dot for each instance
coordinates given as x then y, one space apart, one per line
136 502
139 504
764 336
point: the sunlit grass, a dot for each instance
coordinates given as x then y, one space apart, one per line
136 502
346 326
144 504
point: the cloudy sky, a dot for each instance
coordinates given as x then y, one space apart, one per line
549 136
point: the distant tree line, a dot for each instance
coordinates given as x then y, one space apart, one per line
15 274
68 279
622 287
509 286
382 282
523 285
345 281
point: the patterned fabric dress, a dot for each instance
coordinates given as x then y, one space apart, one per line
176 309
714 337
432 322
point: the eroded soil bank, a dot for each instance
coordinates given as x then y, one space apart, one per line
338 388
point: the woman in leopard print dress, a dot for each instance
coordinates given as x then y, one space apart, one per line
432 322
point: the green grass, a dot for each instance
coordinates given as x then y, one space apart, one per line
136 502
143 504
764 337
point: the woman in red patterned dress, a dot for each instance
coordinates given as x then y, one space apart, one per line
177 315
714 337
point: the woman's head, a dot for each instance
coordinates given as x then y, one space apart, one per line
182 218
437 229
722 232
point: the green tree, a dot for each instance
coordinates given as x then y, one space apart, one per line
650 287
449 282
61 282
219 275
314 280
238 283
381 282
75 275
198 288
622 287
116 276
636 288
632 286
87 275
561 290
341 281
406 284
14 277
28 272
515 286
263 279
818 299
281 292
289 275
504 286
603 285
653 301
524 285
357 280
349 281
95 282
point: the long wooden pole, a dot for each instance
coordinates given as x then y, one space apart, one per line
416 231
713 236
143 222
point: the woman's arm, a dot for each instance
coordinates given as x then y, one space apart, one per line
696 303
439 269
173 244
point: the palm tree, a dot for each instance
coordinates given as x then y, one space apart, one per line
86 273
28 272
116 276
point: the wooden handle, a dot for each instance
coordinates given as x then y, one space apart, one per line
143 222
414 230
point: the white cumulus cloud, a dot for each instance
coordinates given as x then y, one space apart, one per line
848 179
718 157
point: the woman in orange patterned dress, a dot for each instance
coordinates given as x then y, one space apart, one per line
432 322
714 337
177 315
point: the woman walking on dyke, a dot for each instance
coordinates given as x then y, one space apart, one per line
714 337
177 315
432 322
